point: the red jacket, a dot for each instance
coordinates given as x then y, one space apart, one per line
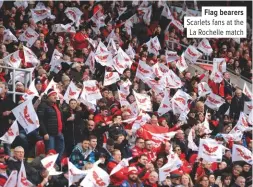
217 88
118 177
80 41
136 151
151 154
103 119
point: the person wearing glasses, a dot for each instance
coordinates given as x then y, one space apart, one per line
203 182
138 148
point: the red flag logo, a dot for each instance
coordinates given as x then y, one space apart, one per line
12 59
72 13
210 149
97 179
28 35
241 153
191 52
40 12
48 165
23 179
91 89
142 70
71 93
205 46
27 116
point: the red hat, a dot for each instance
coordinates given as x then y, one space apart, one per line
176 174
229 98
51 151
51 92
3 166
64 161
132 171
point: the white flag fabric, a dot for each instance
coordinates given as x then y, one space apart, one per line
143 101
210 150
179 102
147 14
104 58
181 64
63 28
121 61
30 57
13 59
26 116
91 90
101 48
74 174
144 71
248 106
171 80
166 12
129 23
127 59
250 118
29 36
91 62
242 124
93 43
124 87
141 119
122 164
56 56
157 71
191 143
8 36
21 4
111 78
219 65
49 161
165 105
177 24
12 179
123 98
99 20
163 136
154 45
171 56
22 179
96 177
72 92
214 101
52 85
205 47
216 76
192 54
203 89
130 51
155 85
247 91
74 14
31 92
241 153
112 47
21 76
40 13
164 68
173 164
236 136
11 133
205 124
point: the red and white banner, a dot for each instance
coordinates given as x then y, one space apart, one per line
29 36
163 137
250 118
26 116
129 23
236 136
155 85
91 62
21 4
164 68
111 78
247 91
166 12
165 105
192 54
91 90
171 80
99 20
173 164
74 14
147 13
49 161
121 61
112 47
125 86
13 59
123 99
181 64
214 101
191 143
179 102
216 76
127 59
21 76
8 36
130 52
248 106
11 133
22 179
122 164
72 92
104 58
140 120
241 153
219 65
143 101
144 71
52 85
101 48
171 56
12 179
63 28
93 43
177 24
154 45
203 89
210 150
96 177
40 13
55 57
30 57
205 47
157 71
74 174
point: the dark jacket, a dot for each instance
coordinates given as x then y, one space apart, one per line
48 119
237 106
6 104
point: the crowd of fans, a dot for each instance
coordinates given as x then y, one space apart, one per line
85 134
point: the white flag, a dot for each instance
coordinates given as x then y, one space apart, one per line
22 179
104 58
171 56
91 62
214 101
157 71
155 85
63 28
216 76
12 179
21 4
164 68
30 92
171 80
181 64
56 56
124 87
180 100
99 20
147 13
247 91
192 54
123 98
74 14
166 12
173 164
191 143
154 45
49 161
210 150
30 57
40 13
74 174
236 136
122 164
29 36
219 65
241 153
111 78
91 90
11 133
21 76
8 36
120 63
250 118
143 101
177 24
144 71
72 92
165 105
203 89
248 106
112 47
205 47
130 51
13 59
26 116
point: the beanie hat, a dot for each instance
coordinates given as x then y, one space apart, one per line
51 92
132 171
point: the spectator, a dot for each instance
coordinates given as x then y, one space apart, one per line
133 179
240 182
